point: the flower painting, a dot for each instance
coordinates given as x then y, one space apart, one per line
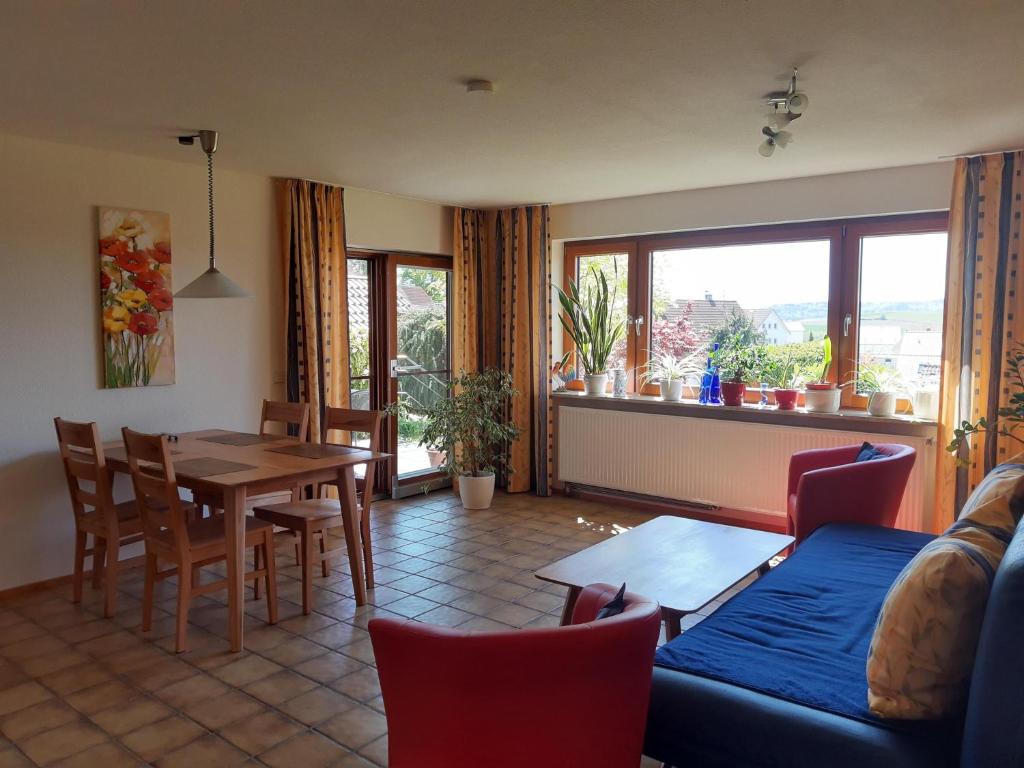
135 297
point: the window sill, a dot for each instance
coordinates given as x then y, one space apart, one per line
845 420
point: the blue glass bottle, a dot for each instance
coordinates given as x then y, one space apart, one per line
764 396
705 384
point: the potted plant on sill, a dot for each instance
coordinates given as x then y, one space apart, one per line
823 396
741 362
670 373
588 321
882 384
471 432
782 374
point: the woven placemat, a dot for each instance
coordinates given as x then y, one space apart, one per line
204 466
240 438
315 451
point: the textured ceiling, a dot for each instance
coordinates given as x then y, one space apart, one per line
594 99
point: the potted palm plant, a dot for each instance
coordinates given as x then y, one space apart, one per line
587 318
882 384
470 431
783 374
822 395
670 372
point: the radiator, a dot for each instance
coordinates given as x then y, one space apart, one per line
739 465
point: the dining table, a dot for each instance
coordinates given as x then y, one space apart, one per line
231 466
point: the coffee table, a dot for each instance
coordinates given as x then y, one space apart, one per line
683 564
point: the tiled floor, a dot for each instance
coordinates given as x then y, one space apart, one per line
79 690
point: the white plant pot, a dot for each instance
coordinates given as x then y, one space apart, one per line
882 404
476 492
595 383
671 390
822 400
926 405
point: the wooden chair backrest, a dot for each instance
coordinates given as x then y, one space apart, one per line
85 468
156 489
349 420
290 414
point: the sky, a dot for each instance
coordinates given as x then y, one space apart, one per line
894 268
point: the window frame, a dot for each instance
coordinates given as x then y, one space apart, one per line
843 289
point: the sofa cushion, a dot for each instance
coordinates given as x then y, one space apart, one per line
801 632
922 650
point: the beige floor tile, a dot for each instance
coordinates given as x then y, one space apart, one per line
161 674
102 696
51 746
294 651
73 679
361 686
280 687
160 738
131 715
356 727
225 709
200 687
260 733
27 722
328 667
207 752
316 706
246 670
105 755
13 758
513 615
309 750
377 751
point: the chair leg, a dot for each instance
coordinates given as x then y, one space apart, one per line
147 593
78 577
271 577
298 550
256 567
184 601
364 524
323 555
99 554
307 572
110 588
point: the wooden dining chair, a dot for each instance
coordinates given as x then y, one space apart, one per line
313 518
111 525
294 417
189 545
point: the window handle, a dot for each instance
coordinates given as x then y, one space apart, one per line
637 323
847 321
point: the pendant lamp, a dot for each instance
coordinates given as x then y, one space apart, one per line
212 284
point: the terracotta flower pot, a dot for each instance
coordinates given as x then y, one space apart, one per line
786 398
733 392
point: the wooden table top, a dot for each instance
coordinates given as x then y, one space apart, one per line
269 468
683 564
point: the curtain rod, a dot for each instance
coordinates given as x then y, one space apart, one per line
981 154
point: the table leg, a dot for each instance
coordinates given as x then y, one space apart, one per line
234 534
353 530
762 569
673 624
570 603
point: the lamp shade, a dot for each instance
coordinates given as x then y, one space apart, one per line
212 284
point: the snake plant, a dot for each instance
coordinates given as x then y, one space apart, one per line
587 318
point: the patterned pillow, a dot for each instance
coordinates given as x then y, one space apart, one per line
922 651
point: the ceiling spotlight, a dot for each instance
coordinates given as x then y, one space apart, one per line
773 139
479 86
792 103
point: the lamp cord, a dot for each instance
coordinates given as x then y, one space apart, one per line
209 176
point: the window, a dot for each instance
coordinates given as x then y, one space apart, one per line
782 288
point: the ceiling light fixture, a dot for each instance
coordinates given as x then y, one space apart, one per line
784 107
212 284
479 86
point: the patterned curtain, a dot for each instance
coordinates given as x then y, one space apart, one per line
316 297
502 318
982 321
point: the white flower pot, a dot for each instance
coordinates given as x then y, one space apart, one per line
822 400
476 492
882 404
926 405
671 390
595 383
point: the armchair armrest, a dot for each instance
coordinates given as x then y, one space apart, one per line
818 458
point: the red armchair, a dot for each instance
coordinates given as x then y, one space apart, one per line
827 486
572 695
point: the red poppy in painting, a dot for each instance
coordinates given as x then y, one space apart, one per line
160 299
143 324
161 252
148 281
132 261
104 280
111 246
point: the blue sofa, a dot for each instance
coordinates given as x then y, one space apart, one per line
776 676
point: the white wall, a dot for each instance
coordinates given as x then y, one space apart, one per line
908 189
227 352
